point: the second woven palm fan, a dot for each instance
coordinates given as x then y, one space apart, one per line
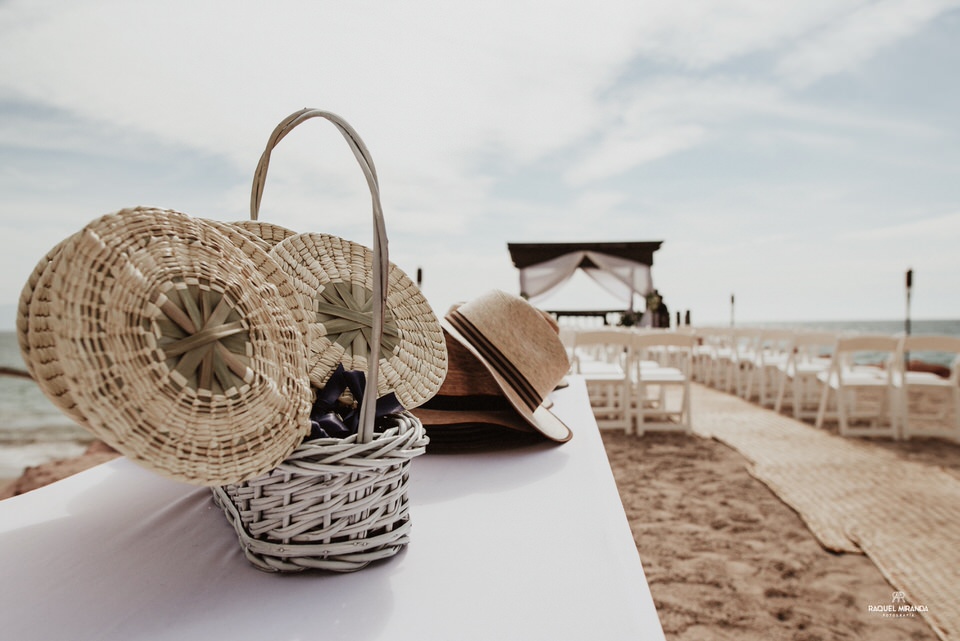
336 279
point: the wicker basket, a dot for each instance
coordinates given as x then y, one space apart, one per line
334 504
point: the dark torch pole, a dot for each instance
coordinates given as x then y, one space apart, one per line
906 323
909 287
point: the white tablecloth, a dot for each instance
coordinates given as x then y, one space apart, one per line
523 544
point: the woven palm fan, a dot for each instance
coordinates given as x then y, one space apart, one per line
27 295
338 504
44 320
36 325
337 276
255 249
178 350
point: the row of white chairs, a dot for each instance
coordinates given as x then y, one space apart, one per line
638 380
862 382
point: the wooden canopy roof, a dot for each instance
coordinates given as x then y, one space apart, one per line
527 254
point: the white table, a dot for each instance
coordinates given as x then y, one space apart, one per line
523 544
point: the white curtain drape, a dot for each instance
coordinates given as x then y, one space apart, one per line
619 276
537 280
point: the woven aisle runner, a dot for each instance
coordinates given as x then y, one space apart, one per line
854 496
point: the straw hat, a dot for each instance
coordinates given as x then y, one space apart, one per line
520 351
335 277
470 410
182 351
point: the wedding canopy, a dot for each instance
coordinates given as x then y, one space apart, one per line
621 268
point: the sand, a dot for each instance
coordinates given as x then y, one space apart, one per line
46 473
724 557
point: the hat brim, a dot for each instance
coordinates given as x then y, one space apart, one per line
474 437
448 418
472 423
540 419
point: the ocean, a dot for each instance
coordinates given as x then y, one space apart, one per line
33 430
917 328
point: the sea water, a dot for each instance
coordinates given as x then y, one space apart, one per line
33 430
891 328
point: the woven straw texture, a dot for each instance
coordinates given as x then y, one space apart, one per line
36 325
855 498
256 250
26 298
43 323
180 350
268 232
240 236
335 504
337 276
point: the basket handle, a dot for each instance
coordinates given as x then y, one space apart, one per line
381 260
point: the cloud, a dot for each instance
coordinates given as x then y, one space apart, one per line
700 34
431 75
433 84
621 151
943 229
430 87
668 114
846 43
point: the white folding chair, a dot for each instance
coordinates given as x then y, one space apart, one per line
710 342
937 412
661 375
860 384
732 359
808 355
762 366
604 358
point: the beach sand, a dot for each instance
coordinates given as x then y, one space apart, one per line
46 473
724 557
727 559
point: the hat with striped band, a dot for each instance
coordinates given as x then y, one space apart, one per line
520 349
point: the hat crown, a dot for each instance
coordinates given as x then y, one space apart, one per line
521 335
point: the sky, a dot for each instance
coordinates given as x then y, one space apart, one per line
800 155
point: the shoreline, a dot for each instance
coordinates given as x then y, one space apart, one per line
37 476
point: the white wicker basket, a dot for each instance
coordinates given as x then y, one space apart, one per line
334 504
